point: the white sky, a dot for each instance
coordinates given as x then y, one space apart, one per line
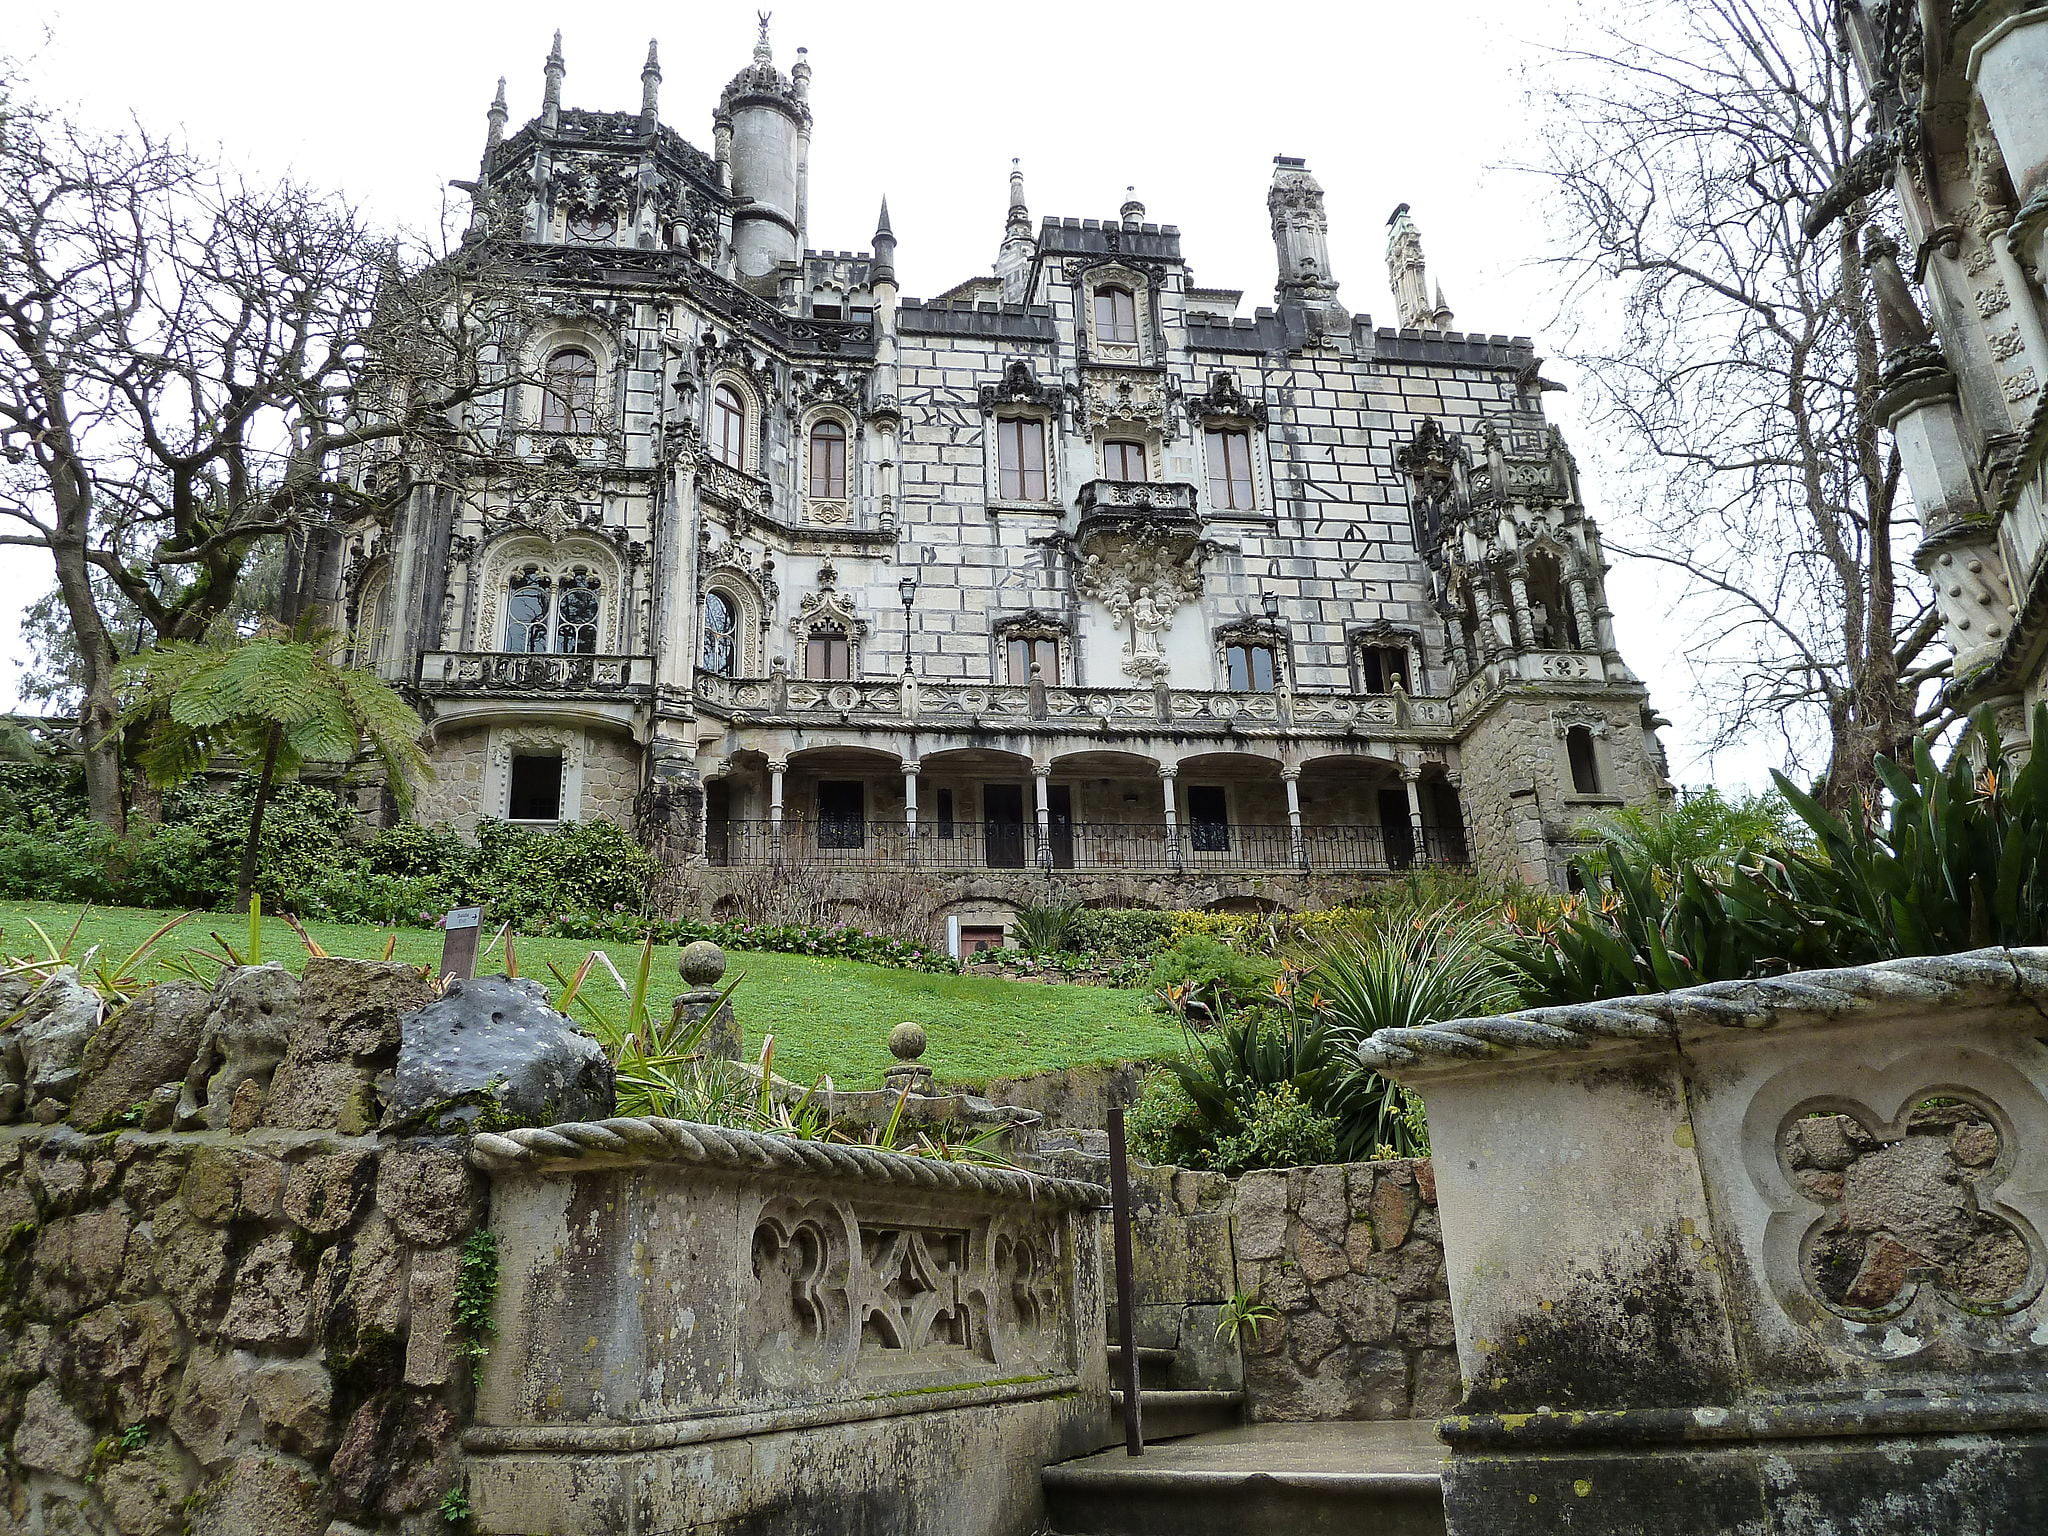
927 102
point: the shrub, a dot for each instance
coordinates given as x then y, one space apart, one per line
420 852
1280 1130
1164 1125
580 866
307 834
1206 977
1112 933
49 792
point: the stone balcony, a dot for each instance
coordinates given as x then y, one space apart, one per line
464 674
973 706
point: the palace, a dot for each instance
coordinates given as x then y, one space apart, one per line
1073 567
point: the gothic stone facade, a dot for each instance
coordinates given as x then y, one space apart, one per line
1960 95
1072 568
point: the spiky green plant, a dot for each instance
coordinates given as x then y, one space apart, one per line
1047 927
277 700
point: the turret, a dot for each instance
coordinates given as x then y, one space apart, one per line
650 91
1019 249
884 416
763 127
494 135
1407 274
1301 242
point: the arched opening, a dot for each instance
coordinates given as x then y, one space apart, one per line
828 461
729 427
1550 609
569 392
721 635
1585 760
1116 316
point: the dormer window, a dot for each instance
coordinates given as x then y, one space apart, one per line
1020 458
1123 460
1116 316
729 427
569 392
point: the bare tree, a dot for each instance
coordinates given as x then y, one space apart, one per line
182 376
1735 362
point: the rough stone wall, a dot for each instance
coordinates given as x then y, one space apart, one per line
1352 1258
242 1330
455 794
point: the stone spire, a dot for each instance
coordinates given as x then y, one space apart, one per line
650 90
1415 308
551 96
1133 211
494 135
800 74
1019 248
884 268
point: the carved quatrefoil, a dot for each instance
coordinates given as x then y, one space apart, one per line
1909 1212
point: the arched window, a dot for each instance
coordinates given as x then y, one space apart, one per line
1116 316
1578 746
569 392
1023 652
721 634
526 610
576 613
729 427
1252 668
828 461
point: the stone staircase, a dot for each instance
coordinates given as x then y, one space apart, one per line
1168 1412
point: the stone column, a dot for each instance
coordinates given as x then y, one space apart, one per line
1290 780
1496 630
1411 780
911 769
1524 620
1168 773
1041 792
1718 1311
777 766
1582 613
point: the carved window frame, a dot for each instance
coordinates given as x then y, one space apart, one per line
750 620
547 343
1048 427
1253 632
825 510
753 419
1386 637
541 741
1142 289
1033 624
556 558
369 616
821 616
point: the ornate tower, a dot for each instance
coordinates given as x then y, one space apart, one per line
1414 306
1301 242
1019 249
762 131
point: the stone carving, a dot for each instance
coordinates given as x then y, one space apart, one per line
915 1295
1224 399
40 1050
1911 1224
492 1048
244 1040
1124 398
796 1308
1021 386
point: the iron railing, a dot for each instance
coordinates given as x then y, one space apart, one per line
1102 847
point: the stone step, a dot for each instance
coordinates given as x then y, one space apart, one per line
1347 1479
1155 1366
1169 1413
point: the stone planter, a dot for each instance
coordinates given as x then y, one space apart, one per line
1750 1258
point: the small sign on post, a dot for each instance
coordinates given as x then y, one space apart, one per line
460 929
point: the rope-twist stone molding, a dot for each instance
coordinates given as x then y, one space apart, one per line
590 1144
1931 981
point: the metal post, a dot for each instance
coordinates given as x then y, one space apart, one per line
1126 1285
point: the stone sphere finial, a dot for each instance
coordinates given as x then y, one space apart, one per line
701 963
907 1041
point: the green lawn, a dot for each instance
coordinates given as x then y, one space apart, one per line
827 1016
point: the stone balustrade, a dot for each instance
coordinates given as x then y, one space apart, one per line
977 704
466 673
1755 1256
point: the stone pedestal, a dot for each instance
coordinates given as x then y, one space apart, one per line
1752 1258
702 965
